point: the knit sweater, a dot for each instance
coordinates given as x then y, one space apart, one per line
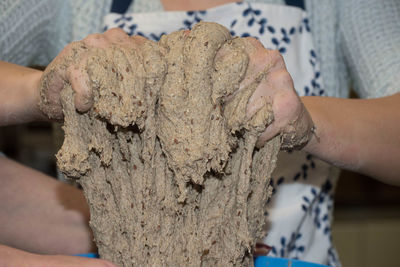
357 41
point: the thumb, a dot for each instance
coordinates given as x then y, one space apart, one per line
271 131
79 80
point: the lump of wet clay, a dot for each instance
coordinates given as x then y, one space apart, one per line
168 164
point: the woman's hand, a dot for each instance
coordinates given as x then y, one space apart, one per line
70 67
356 134
291 119
23 90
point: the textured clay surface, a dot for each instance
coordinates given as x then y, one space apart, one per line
168 166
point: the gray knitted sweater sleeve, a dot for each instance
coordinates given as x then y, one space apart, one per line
26 29
35 31
370 34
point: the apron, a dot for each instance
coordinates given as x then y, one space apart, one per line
300 210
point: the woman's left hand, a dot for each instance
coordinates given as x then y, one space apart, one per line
291 119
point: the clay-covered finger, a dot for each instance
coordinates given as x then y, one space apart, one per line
79 80
276 80
97 40
55 77
71 54
260 59
52 82
230 62
261 62
139 40
287 108
116 35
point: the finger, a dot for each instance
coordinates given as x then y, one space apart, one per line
270 132
262 60
270 55
79 80
186 33
286 107
97 40
116 35
139 40
276 81
261 249
257 60
230 62
278 123
70 54
54 78
52 82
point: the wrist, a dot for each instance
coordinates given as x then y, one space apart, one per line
19 94
300 132
317 129
33 83
329 141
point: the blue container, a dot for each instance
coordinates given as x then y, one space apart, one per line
88 255
260 261
265 261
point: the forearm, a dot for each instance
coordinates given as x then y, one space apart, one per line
40 214
19 95
15 257
358 134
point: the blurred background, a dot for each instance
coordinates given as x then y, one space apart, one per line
366 229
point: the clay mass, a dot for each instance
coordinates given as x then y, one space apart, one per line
168 164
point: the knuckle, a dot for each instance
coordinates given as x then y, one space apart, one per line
139 39
116 34
254 42
93 36
95 39
72 49
280 76
252 39
276 56
274 52
68 49
115 31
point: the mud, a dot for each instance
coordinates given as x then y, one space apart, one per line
168 165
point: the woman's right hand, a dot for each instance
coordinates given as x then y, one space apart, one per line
70 67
